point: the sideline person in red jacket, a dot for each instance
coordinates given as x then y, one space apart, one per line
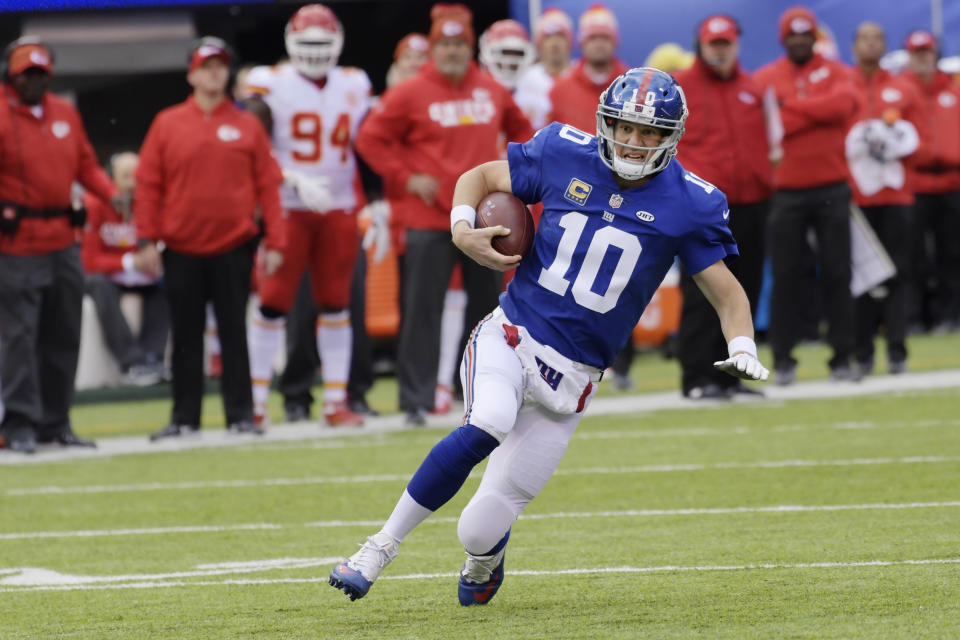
110 263
43 150
937 186
880 145
205 167
422 135
575 94
725 144
817 100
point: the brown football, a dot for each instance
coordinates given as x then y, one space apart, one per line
509 211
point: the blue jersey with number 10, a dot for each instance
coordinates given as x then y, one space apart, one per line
599 253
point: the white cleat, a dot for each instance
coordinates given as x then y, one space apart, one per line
355 575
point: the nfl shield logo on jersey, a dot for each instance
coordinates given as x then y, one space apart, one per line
616 200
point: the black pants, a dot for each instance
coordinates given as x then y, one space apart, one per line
826 212
428 264
298 375
892 224
700 341
936 241
41 302
146 347
191 281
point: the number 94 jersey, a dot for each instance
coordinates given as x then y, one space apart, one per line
599 253
313 126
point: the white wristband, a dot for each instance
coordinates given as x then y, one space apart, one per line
744 344
462 212
127 261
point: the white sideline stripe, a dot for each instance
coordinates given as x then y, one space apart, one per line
629 513
522 572
661 468
633 405
94 533
33 577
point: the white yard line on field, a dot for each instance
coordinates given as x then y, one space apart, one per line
33 576
628 513
274 482
151 581
626 404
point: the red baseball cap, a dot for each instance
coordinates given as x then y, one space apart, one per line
921 39
598 20
30 56
553 21
797 20
414 41
208 48
718 27
451 21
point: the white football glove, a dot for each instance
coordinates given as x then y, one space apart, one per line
743 366
378 233
313 191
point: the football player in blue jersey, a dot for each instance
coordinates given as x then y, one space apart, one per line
617 210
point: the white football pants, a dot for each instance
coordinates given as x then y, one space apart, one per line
532 439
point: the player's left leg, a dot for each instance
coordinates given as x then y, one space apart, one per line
516 473
493 383
331 275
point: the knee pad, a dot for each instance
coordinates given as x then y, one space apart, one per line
484 523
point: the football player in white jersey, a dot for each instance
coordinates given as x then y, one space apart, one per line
315 108
506 52
553 36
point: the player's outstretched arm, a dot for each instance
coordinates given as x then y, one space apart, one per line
726 295
470 190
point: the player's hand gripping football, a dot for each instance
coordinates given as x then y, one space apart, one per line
378 233
476 244
744 366
313 191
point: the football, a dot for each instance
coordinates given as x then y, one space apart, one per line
500 208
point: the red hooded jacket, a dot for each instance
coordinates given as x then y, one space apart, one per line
201 177
40 158
430 125
574 97
726 140
937 160
817 100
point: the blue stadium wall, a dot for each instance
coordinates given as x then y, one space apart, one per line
644 23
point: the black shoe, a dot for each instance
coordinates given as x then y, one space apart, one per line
742 389
896 367
359 405
785 376
245 426
864 368
415 418
174 430
70 439
707 392
22 444
845 373
296 413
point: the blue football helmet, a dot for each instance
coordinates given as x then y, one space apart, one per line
645 96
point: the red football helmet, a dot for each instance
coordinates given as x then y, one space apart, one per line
314 39
506 51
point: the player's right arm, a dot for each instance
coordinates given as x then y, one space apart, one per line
470 190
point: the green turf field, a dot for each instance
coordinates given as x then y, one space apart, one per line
801 519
